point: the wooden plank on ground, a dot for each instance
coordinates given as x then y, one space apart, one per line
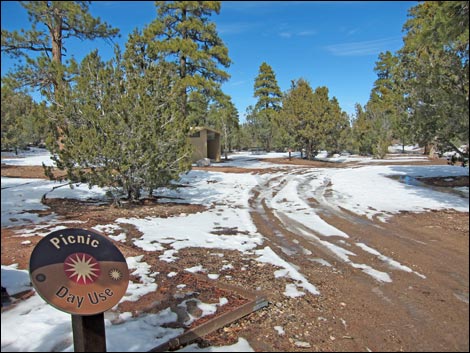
214 324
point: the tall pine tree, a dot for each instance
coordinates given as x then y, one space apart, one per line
183 35
53 22
435 73
268 105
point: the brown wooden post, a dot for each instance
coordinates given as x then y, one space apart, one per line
89 333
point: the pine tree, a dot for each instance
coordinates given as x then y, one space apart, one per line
198 109
183 35
268 105
434 72
58 21
388 97
266 89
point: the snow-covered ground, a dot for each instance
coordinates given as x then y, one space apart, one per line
366 189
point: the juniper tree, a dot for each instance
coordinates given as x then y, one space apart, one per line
125 130
223 116
22 119
315 121
362 132
380 121
297 111
337 127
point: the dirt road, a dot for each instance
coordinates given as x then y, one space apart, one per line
423 306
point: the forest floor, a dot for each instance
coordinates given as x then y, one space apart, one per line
352 313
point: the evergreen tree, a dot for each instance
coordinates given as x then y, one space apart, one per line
434 72
298 112
266 89
243 137
223 116
125 130
183 35
198 109
58 21
388 97
256 128
322 120
22 120
312 120
282 138
268 105
381 132
53 22
362 132
384 106
336 128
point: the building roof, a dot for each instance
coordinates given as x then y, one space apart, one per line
200 128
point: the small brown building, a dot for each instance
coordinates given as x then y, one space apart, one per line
206 144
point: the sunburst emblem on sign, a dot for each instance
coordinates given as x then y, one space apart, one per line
82 268
115 274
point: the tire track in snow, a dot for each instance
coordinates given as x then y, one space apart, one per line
283 211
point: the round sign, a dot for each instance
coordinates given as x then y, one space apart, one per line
78 271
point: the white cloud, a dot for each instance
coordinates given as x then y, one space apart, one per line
368 47
307 33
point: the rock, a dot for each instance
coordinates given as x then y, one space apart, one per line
302 344
193 309
204 162
182 315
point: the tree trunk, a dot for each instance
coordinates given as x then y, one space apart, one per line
309 150
56 39
56 35
183 71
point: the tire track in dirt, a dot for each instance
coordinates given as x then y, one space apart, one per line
413 312
304 239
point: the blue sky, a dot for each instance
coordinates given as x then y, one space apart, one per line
329 43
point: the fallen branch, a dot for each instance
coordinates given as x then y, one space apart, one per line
43 198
